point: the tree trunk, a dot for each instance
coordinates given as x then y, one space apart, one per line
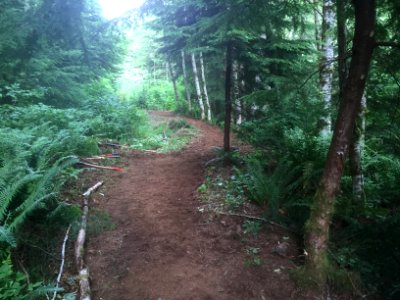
317 227
236 92
203 78
228 97
317 17
342 44
186 81
173 79
326 63
357 144
197 82
355 153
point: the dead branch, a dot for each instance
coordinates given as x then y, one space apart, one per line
84 285
387 44
86 164
92 189
254 218
62 262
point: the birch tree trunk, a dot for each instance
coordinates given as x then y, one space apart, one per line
186 81
355 153
326 63
173 79
203 78
317 227
342 42
238 105
198 90
228 97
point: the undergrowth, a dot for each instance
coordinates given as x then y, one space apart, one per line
39 146
166 136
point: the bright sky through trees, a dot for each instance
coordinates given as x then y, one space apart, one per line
115 8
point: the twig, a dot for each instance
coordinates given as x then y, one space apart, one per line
28 281
62 262
254 218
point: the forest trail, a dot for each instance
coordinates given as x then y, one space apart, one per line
162 246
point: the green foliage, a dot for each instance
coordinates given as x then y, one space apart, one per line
166 137
252 227
155 96
13 285
254 259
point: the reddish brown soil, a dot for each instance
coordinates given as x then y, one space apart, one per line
164 248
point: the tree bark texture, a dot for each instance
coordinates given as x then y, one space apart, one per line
342 44
203 79
357 144
236 92
186 81
355 153
228 97
326 63
173 79
197 83
317 227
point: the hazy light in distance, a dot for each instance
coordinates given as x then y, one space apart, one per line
115 8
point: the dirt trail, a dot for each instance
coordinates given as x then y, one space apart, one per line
162 248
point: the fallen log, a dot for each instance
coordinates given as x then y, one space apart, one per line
84 285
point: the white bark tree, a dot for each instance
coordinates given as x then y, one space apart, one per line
186 81
197 83
238 105
326 63
203 78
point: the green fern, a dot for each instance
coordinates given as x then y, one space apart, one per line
7 237
44 189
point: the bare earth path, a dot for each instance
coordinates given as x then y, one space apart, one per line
162 248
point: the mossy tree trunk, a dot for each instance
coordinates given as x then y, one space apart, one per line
317 227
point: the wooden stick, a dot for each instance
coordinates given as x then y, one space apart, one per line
253 218
92 189
100 167
62 262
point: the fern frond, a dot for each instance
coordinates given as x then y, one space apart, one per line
45 188
7 236
8 193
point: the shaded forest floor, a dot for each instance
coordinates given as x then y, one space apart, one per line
163 247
